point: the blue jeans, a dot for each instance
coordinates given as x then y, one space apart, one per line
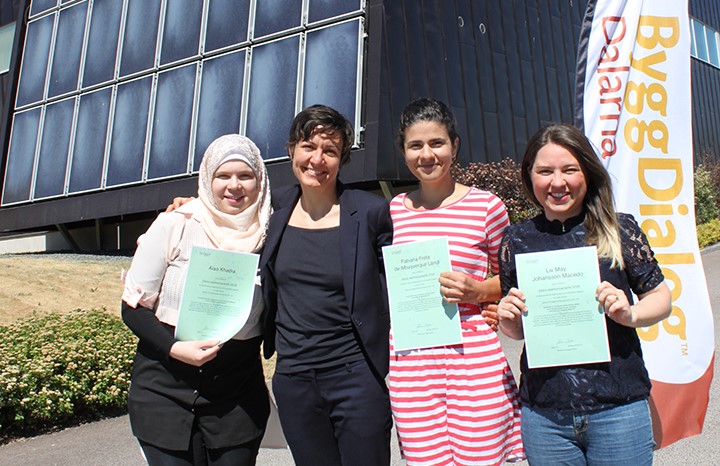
615 436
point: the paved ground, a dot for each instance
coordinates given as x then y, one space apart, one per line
110 442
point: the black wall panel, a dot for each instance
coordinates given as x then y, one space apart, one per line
505 68
706 90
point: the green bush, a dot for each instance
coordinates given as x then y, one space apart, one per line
62 369
500 178
706 195
708 233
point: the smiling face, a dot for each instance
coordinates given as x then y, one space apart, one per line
316 160
429 152
234 187
558 182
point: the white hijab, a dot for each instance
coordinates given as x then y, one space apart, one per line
240 232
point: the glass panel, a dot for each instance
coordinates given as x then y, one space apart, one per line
103 42
35 60
227 23
181 36
693 50
220 100
127 144
700 41
54 149
712 46
141 28
276 15
7 37
68 47
89 152
271 105
322 9
171 127
38 6
21 156
334 85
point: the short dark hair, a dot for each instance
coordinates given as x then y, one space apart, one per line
427 109
326 120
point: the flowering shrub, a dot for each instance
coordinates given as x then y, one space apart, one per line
706 194
502 179
62 369
708 233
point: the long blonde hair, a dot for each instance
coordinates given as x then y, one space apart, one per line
601 223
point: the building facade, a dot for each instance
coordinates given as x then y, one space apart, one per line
108 105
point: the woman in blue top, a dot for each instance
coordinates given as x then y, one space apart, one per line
590 413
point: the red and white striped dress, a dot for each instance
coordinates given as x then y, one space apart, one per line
457 405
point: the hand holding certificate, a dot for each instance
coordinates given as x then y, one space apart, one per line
563 325
218 294
418 315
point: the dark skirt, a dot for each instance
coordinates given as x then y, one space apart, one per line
227 397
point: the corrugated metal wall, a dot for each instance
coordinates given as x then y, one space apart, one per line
505 68
706 89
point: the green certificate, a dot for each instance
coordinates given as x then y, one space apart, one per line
564 324
419 316
218 294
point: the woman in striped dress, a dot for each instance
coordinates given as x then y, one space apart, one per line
453 405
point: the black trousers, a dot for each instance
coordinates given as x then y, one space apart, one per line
338 416
199 455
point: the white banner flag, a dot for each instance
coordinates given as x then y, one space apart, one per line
634 102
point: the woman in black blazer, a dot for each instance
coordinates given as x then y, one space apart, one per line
327 314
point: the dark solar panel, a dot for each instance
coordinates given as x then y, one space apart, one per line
127 144
88 157
54 149
171 124
271 104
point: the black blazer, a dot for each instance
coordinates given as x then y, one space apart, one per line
365 227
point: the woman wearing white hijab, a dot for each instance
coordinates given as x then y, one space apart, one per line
199 402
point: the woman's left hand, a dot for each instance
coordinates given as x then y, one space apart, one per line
459 287
615 304
456 287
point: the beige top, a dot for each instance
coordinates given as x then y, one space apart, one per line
157 275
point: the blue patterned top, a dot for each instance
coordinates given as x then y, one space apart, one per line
587 387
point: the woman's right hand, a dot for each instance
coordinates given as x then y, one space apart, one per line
195 353
510 310
177 202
